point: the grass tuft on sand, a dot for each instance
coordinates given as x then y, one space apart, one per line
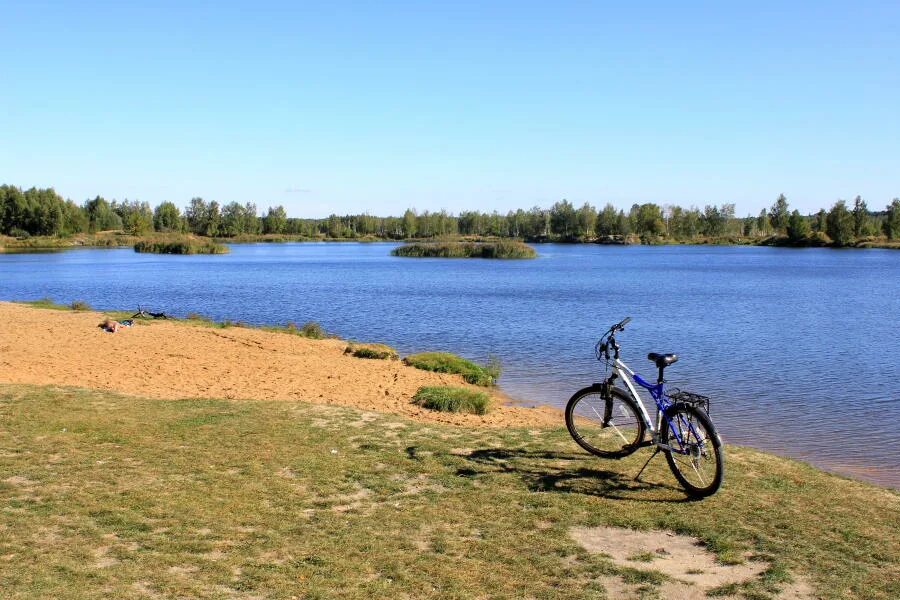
445 398
446 362
119 496
371 350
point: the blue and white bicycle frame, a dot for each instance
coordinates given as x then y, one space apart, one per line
658 393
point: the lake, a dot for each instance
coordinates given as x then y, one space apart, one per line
797 347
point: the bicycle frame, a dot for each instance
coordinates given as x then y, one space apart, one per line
658 393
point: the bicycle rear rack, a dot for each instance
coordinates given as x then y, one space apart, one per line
690 398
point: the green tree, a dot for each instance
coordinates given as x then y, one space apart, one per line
213 220
798 227
713 221
646 219
778 214
167 217
762 222
860 217
101 216
197 215
891 224
275 220
409 223
585 221
839 224
563 220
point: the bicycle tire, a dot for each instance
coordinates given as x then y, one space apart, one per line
623 431
701 471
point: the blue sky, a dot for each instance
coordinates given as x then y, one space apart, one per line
352 107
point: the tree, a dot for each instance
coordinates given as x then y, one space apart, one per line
713 221
860 216
167 217
101 216
646 219
891 225
213 220
197 215
275 220
608 221
778 214
798 227
137 218
585 221
839 224
409 223
762 222
563 219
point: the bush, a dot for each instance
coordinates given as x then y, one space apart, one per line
79 305
445 362
452 399
376 351
312 330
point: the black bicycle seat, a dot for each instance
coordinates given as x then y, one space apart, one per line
662 360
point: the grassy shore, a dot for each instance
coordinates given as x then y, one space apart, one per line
112 496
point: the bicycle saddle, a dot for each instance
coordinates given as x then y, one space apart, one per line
662 360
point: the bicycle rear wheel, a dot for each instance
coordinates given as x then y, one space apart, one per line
696 458
605 425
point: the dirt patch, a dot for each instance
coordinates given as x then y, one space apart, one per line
175 360
691 569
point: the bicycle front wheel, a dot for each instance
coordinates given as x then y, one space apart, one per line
609 426
695 455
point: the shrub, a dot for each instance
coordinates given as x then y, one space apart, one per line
445 362
376 351
312 330
79 305
452 399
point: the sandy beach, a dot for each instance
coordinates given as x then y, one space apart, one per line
169 360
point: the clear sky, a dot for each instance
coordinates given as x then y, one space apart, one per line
375 106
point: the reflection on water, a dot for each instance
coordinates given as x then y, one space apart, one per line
798 348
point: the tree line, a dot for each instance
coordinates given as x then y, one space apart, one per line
44 212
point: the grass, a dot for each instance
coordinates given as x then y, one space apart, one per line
371 350
180 246
111 496
497 249
445 362
453 399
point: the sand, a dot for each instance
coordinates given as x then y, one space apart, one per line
170 360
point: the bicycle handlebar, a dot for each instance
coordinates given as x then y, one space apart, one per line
609 339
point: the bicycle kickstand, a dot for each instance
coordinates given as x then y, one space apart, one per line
638 476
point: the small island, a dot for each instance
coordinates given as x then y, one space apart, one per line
183 245
497 249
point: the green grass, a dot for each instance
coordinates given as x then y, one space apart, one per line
445 362
123 497
445 398
180 246
371 350
497 249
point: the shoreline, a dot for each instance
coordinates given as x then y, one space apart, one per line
10 245
184 358
172 359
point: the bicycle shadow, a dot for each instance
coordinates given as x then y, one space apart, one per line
563 472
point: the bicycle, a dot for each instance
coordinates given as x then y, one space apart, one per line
611 422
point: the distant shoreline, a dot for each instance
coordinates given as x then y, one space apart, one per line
117 239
